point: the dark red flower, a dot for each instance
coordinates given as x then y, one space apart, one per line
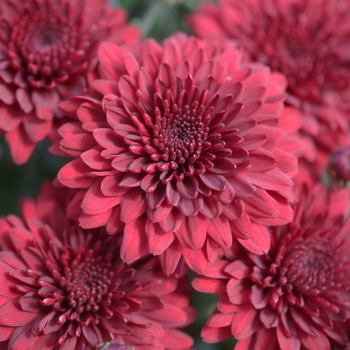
63 287
297 296
307 41
186 149
47 49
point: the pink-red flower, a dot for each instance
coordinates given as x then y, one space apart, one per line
297 296
187 149
307 41
47 49
63 287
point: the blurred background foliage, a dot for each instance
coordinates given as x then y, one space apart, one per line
157 19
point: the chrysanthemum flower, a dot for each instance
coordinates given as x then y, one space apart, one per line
295 297
63 287
186 149
307 41
47 49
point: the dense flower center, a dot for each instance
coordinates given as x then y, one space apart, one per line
300 59
87 283
180 131
309 267
184 134
41 47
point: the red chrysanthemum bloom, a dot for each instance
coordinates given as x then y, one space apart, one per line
186 149
307 41
298 295
47 49
63 287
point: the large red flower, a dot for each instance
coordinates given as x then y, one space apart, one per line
307 41
63 287
47 48
298 295
186 149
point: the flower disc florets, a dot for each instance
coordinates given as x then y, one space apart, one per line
186 150
47 52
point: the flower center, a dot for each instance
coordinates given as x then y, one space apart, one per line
41 47
179 132
88 283
45 37
309 266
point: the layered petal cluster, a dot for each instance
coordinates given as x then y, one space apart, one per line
186 150
47 49
307 41
298 295
63 287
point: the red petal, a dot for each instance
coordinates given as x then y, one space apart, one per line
218 319
274 180
74 175
220 231
190 207
94 202
93 335
269 317
92 158
215 182
10 117
193 232
238 269
5 333
45 102
77 141
91 221
260 297
158 240
21 147
292 343
74 87
238 291
20 319
215 335
196 260
172 221
134 245
7 94
209 285
108 139
259 240
245 324
188 187
24 100
177 340
133 204
171 257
